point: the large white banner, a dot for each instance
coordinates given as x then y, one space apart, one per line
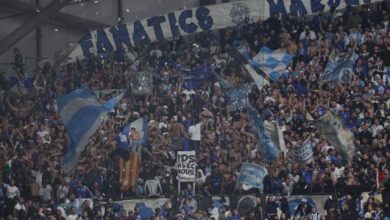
189 21
186 165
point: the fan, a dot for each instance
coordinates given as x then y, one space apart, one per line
246 204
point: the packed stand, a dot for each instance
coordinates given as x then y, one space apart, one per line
33 139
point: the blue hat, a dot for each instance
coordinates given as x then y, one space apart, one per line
267 114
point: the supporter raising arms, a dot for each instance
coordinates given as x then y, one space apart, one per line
188 112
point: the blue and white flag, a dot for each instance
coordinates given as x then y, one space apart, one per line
242 56
271 62
194 78
304 153
21 87
276 134
259 80
339 70
140 125
331 126
267 147
82 115
223 82
238 97
252 175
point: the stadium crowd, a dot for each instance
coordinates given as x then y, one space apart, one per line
34 140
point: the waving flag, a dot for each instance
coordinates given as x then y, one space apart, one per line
276 134
331 126
81 114
128 168
304 153
252 175
224 83
259 80
340 70
238 97
128 171
21 87
140 125
242 56
264 140
271 62
194 78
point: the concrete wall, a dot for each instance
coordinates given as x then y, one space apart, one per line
133 10
151 203
104 11
52 41
154 203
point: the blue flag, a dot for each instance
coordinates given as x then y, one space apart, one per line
304 153
340 70
194 78
271 62
224 83
265 144
140 125
252 175
276 134
259 80
336 133
238 97
21 86
82 115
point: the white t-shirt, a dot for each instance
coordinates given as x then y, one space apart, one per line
376 129
326 148
162 125
44 136
62 190
195 132
38 176
19 207
45 193
42 133
294 179
338 172
11 191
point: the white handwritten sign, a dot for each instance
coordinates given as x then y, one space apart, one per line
186 164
